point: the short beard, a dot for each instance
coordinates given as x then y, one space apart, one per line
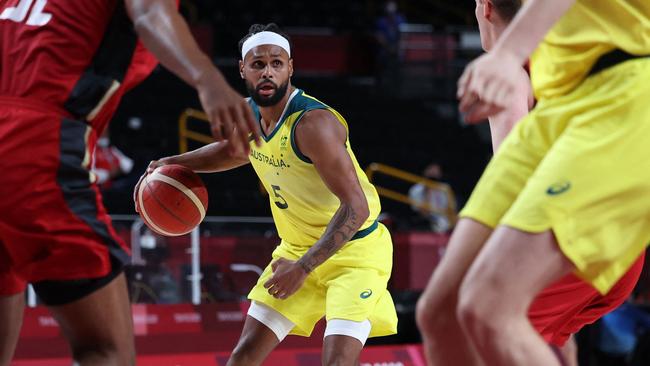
274 99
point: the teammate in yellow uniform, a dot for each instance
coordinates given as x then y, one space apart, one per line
335 259
567 190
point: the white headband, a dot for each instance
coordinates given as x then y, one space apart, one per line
262 38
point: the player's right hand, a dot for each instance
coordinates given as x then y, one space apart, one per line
231 118
487 85
150 168
155 164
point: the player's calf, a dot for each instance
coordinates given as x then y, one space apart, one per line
11 316
98 354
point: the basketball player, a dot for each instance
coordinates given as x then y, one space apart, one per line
566 190
335 258
570 303
65 65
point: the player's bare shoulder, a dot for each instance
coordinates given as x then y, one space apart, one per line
318 131
318 122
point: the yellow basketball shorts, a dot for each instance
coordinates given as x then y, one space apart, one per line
579 165
350 285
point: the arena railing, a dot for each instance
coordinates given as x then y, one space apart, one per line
185 134
450 210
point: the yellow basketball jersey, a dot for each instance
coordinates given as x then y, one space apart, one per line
588 30
301 203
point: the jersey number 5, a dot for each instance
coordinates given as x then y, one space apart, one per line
19 13
281 202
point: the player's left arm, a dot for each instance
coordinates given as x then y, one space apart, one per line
322 138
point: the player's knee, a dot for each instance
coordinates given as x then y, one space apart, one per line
424 315
103 349
433 313
475 315
339 359
244 354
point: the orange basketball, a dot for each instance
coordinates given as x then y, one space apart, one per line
172 200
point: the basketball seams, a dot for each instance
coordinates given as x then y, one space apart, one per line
155 195
176 179
188 176
181 187
143 211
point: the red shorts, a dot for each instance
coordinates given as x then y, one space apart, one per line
569 304
53 225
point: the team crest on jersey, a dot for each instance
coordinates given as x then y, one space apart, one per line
283 142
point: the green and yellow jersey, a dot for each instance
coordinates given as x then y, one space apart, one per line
590 29
301 203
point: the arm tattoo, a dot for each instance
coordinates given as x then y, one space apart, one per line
344 224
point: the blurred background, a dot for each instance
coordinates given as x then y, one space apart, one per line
390 68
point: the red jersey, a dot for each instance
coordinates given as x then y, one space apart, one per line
64 65
74 57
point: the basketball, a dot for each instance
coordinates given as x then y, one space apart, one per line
172 200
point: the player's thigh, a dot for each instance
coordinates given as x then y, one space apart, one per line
101 320
513 267
304 308
590 187
359 294
501 183
587 193
357 276
464 245
509 171
352 293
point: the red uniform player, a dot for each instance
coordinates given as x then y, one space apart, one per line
64 67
